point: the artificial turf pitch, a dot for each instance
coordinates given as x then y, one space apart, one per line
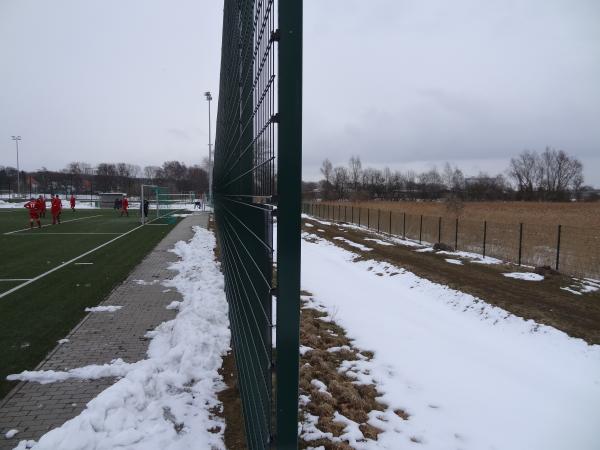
35 317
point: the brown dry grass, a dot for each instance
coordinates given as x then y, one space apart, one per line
351 400
580 232
568 213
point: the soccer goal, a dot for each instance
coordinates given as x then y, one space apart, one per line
157 202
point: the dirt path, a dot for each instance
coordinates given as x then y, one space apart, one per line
541 301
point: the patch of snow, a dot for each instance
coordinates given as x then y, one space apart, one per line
309 225
304 349
380 242
353 244
583 286
470 375
458 262
62 341
424 250
321 387
146 283
339 349
572 291
527 276
10 434
164 401
174 305
116 368
314 219
104 308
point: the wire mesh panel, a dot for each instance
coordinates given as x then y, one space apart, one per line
539 244
580 251
256 172
470 236
502 241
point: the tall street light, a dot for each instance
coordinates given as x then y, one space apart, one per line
210 168
17 139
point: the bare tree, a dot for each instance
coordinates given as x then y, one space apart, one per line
525 170
355 172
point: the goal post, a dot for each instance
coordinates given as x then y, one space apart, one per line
162 203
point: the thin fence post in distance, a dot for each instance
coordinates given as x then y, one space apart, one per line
345 213
352 211
421 229
390 222
359 209
558 246
404 226
368 218
339 213
440 229
484 235
456 236
520 241
378 217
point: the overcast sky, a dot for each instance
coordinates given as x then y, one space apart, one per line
404 83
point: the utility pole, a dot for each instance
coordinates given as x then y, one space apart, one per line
210 164
17 139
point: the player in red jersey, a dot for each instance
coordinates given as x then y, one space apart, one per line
72 201
124 207
39 205
33 205
55 209
43 211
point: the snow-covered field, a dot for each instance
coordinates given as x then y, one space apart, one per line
470 375
164 401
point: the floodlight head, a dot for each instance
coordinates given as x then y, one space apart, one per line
208 96
16 138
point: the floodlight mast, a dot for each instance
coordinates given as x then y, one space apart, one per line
17 139
208 96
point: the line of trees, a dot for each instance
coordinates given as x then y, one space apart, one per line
82 178
551 175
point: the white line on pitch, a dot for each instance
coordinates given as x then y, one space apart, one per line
16 288
52 234
83 264
49 224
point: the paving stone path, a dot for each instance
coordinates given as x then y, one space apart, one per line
100 337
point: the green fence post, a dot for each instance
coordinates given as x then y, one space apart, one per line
520 241
558 246
456 236
484 235
288 230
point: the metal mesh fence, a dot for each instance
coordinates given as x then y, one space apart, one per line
572 250
257 172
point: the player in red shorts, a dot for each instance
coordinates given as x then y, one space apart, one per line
43 211
33 205
39 204
124 206
55 209
72 201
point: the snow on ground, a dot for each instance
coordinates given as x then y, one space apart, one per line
10 434
457 262
163 402
353 244
104 308
527 276
471 376
379 241
582 286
